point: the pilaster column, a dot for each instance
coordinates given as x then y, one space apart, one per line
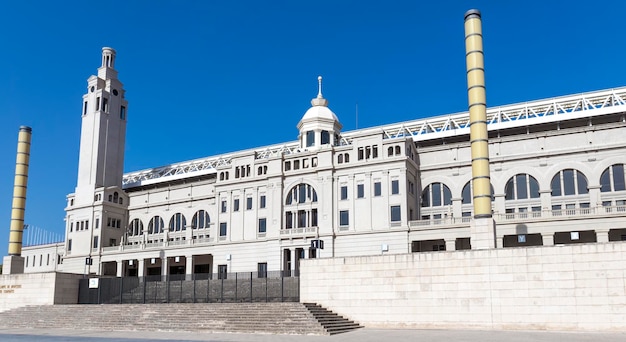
548 239
188 267
602 235
450 244
165 267
141 268
120 268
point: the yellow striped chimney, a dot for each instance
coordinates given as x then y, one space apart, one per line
474 57
19 191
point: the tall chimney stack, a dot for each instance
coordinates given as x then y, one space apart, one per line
482 226
14 263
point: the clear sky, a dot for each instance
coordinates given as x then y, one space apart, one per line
211 77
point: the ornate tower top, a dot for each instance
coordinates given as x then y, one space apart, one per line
108 57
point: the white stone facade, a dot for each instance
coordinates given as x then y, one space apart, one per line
366 192
565 287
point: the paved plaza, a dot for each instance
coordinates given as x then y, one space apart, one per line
361 335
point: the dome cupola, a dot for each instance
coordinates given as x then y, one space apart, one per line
319 125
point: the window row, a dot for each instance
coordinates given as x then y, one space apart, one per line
395 215
367 152
300 163
177 222
236 206
261 227
360 189
566 182
79 225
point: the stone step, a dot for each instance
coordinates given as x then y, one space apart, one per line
332 322
277 318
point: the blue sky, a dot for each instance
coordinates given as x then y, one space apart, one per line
210 77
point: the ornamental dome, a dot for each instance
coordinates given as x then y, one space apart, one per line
319 110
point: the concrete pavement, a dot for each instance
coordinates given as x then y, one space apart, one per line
361 335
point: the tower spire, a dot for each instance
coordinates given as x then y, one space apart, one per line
319 100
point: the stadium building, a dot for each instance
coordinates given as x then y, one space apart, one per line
556 168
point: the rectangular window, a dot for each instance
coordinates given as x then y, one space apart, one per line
377 189
360 191
222 228
288 220
112 242
85 108
287 165
71 226
249 203
262 202
236 205
301 218
223 206
222 271
86 225
262 270
98 103
310 138
375 151
344 218
69 244
395 213
360 155
262 225
395 187
105 105
95 242
97 223
296 164
313 217
344 192
123 113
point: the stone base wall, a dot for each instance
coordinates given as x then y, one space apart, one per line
18 290
564 287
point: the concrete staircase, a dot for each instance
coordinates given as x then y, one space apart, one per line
265 318
333 323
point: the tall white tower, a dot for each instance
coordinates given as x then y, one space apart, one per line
97 212
103 131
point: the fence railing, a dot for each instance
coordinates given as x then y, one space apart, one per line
274 286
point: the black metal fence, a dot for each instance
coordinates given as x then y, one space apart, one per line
191 288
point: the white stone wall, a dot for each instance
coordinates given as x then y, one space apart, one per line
42 258
567 287
17 290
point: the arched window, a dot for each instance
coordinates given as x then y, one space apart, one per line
301 216
200 220
346 157
467 193
436 195
612 179
155 226
398 150
115 196
301 193
178 222
521 186
340 159
569 182
135 227
390 151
